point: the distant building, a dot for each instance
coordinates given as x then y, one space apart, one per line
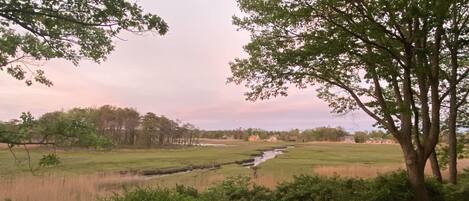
347 139
254 138
228 137
272 139
380 141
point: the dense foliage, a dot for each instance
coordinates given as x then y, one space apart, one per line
373 136
243 134
100 127
72 30
49 160
400 62
324 134
388 187
328 134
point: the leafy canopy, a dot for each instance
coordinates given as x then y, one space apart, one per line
378 56
70 30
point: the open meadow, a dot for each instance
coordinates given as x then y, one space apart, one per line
86 175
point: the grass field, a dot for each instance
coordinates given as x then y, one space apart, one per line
86 161
83 175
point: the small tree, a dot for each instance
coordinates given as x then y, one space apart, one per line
360 136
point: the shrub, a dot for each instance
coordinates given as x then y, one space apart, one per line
49 160
312 188
237 189
460 191
390 187
387 187
186 190
395 187
149 194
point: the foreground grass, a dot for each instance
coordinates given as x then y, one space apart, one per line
388 187
76 177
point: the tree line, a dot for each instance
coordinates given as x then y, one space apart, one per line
101 127
329 134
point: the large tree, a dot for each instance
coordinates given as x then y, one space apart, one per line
382 57
456 40
31 31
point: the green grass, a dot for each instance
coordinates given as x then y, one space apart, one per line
303 158
299 160
76 175
88 161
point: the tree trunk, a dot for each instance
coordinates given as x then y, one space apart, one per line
452 140
415 173
454 46
435 167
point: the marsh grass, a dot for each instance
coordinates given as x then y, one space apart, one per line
63 187
78 180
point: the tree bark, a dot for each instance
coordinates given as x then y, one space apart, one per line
452 140
415 173
435 167
454 44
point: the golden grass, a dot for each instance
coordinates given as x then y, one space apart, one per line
369 171
90 187
362 171
60 188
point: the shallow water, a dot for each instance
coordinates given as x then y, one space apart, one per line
267 155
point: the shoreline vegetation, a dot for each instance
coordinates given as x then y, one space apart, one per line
88 174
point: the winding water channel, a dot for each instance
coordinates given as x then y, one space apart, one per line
267 155
258 159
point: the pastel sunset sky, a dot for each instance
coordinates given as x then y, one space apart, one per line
181 75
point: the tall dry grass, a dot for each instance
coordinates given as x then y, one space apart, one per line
362 171
369 171
61 188
90 187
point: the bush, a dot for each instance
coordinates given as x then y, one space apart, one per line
233 189
395 187
460 191
312 188
387 187
149 194
49 160
237 189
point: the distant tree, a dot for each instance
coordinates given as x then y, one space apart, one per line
56 129
150 127
65 129
324 134
383 57
360 136
167 128
131 120
379 134
49 29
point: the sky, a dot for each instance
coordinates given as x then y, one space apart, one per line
181 75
